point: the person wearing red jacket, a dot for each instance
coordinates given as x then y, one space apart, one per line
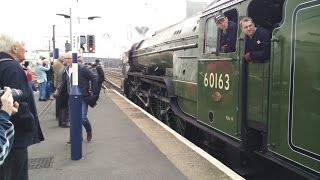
29 75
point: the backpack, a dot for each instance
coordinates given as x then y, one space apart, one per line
5 59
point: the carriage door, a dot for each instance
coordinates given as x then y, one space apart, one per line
257 71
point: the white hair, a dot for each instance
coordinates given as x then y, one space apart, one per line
6 42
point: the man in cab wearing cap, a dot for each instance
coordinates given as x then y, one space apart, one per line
228 34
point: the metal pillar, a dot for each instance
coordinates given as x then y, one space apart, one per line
75 107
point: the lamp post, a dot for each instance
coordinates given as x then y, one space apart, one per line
54 36
89 18
68 16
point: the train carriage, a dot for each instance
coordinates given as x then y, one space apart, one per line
259 118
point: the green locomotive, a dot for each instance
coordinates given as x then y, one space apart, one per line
256 117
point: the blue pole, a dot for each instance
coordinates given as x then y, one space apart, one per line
75 106
56 53
58 100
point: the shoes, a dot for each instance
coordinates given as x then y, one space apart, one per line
89 136
93 105
65 125
69 142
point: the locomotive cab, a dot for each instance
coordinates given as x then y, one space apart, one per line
233 94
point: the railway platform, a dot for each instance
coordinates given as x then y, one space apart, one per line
126 144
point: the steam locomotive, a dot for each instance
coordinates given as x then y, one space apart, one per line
258 118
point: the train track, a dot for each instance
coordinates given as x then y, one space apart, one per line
45 109
113 79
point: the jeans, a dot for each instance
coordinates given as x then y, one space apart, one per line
85 121
49 89
42 90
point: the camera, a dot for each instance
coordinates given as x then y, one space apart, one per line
16 94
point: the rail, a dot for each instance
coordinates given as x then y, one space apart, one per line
113 79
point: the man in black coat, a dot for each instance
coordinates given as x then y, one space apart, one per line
100 73
26 122
88 83
257 41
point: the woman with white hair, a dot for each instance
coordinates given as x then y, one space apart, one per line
40 71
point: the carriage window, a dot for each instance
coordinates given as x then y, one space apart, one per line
211 36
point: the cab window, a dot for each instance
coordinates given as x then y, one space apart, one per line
211 36
222 36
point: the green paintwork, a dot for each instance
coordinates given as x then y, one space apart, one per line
219 76
161 60
187 96
257 92
271 106
185 68
303 38
223 68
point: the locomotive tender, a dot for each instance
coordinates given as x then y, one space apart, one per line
255 117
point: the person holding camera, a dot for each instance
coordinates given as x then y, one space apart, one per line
26 122
7 107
